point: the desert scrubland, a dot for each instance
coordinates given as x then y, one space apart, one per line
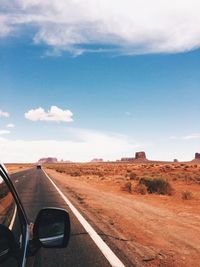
15 167
150 211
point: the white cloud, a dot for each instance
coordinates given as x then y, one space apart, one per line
192 136
10 125
130 26
4 114
54 114
4 132
186 137
89 144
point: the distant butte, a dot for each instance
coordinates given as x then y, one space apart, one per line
139 156
48 160
97 160
52 160
197 157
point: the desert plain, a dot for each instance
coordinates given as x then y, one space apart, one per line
148 211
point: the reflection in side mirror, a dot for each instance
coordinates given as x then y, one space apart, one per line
52 228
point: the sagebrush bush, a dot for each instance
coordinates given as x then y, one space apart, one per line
132 176
186 195
76 173
141 189
127 187
61 170
158 186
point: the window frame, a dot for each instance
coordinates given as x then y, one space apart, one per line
22 215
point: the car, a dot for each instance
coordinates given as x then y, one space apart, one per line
39 166
20 239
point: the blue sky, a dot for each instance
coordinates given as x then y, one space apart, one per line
124 97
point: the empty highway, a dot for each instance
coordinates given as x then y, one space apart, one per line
37 191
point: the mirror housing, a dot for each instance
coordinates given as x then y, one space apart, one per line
52 228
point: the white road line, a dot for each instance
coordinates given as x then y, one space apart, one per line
104 248
13 218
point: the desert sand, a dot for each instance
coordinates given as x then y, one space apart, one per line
150 229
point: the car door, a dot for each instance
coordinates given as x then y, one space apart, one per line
13 225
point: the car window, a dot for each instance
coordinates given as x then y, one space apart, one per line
11 230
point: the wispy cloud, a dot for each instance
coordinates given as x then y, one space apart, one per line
128 26
53 114
4 132
186 137
10 125
192 136
4 114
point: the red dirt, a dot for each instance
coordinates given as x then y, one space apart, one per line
16 167
151 230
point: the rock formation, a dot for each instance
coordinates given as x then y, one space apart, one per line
127 159
197 156
48 160
97 160
140 155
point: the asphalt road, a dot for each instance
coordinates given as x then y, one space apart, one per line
36 192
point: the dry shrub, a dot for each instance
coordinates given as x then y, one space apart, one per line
127 187
100 174
141 189
186 195
76 173
158 186
132 176
61 170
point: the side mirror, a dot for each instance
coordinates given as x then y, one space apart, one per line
52 228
